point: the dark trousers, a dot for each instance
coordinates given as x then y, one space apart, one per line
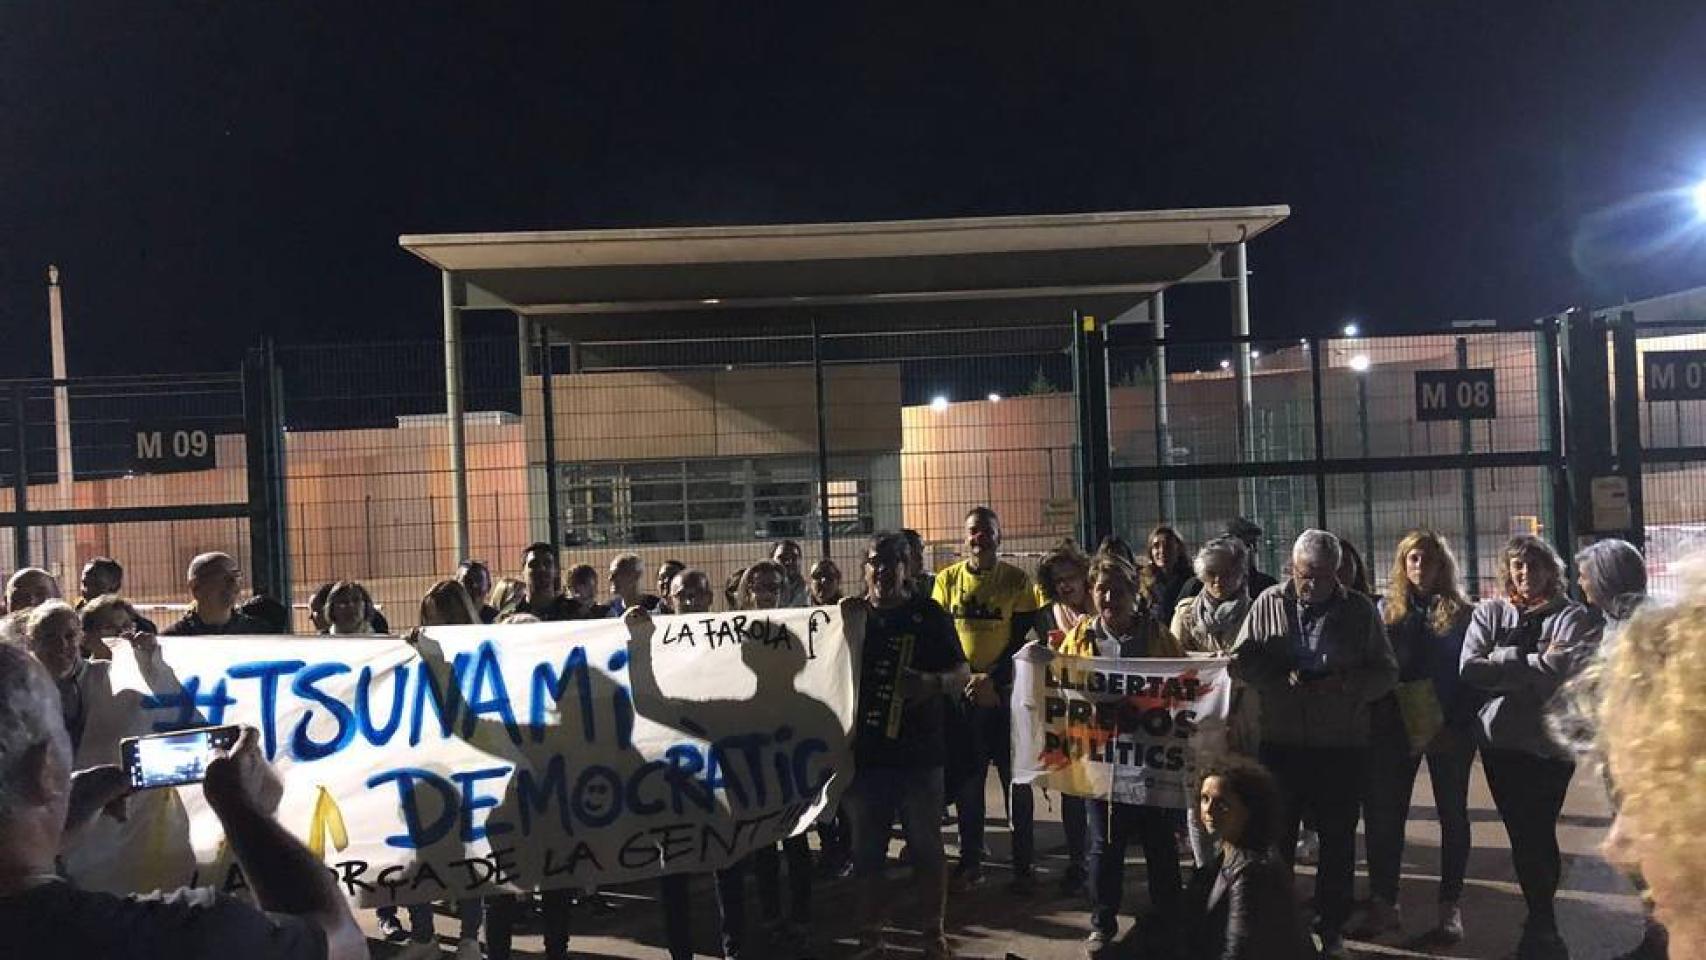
1392 770
678 911
1528 790
767 863
1111 826
988 741
1072 820
502 913
1328 781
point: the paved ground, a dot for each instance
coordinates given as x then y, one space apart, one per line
1599 912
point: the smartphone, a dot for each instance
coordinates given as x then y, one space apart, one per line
174 759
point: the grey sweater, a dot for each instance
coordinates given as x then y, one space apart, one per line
1521 666
1359 664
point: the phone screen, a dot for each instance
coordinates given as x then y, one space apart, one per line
174 759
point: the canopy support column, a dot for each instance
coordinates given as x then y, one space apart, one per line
453 414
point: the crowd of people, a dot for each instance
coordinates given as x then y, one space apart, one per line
1340 693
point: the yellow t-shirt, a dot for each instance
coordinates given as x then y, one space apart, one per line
983 606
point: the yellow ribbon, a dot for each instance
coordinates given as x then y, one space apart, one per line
327 816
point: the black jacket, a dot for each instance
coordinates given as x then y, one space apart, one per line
1243 909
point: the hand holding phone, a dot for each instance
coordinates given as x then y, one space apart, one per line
174 759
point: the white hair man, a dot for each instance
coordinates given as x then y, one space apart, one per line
30 587
213 579
44 808
1318 656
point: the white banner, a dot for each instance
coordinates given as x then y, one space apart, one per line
492 759
1134 731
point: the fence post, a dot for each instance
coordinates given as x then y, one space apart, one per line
822 441
1552 429
1163 427
1090 391
1626 411
1466 445
269 552
20 481
1314 347
548 411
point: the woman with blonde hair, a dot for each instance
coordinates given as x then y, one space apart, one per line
1651 726
507 595
1429 715
1519 648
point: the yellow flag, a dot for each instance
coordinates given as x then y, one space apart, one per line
327 816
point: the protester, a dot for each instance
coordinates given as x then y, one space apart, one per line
276 616
627 571
1519 648
1208 624
787 554
1170 568
509 593
213 581
666 581
102 576
317 618
690 592
1650 728
1123 627
1249 533
544 596
731 589
1114 545
762 588
1318 656
476 579
993 607
1429 714
1353 572
1241 905
106 617
1612 576
446 603
149 848
1063 579
42 806
544 600
30 587
910 662
823 584
923 578
349 609
583 585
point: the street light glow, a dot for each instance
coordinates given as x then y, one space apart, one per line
1351 330
1226 364
1255 354
939 404
1359 363
995 398
1699 195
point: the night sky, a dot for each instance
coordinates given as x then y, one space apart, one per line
205 172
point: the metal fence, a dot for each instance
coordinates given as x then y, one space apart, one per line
708 449
148 469
1324 432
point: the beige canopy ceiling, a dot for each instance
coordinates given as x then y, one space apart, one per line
992 269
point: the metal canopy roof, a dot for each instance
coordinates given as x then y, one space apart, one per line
852 275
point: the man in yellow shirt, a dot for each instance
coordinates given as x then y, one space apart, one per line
992 605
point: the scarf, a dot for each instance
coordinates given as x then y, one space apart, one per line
1220 621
